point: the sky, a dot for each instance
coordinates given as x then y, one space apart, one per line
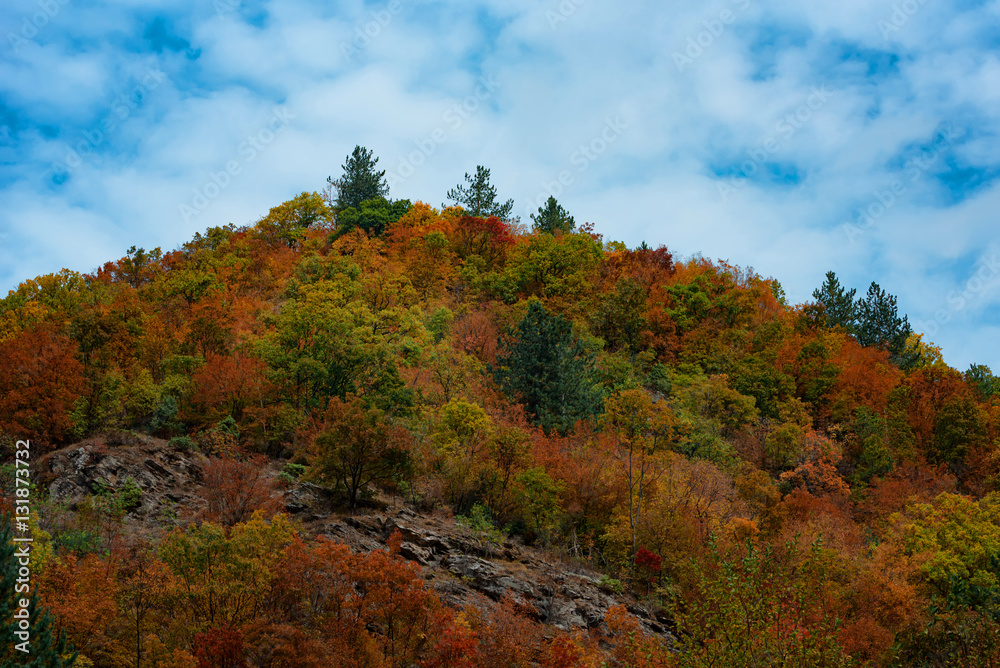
792 137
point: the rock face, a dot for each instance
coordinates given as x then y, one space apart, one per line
463 569
167 478
459 564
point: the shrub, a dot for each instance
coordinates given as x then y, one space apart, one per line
610 584
293 470
183 444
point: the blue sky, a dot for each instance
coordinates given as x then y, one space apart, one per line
859 136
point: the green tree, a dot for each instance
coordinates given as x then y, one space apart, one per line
959 426
749 610
360 181
287 223
839 308
552 217
641 428
982 381
544 367
41 650
323 346
480 197
373 215
879 324
357 448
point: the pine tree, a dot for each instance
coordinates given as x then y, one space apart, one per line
43 650
982 380
839 307
880 326
548 370
480 197
553 217
360 181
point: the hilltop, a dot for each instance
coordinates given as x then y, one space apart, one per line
375 431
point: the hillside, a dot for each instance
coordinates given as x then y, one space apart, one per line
377 433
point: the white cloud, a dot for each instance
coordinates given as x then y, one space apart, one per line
559 81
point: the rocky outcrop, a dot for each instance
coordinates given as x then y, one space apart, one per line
168 478
463 568
461 565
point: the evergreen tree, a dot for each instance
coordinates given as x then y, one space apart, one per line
839 307
982 380
43 650
547 369
879 324
480 197
553 217
360 181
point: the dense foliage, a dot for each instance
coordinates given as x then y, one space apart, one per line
795 485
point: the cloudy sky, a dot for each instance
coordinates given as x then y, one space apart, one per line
793 137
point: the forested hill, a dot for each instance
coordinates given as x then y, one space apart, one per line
803 481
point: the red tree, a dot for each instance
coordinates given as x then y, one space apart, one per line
40 379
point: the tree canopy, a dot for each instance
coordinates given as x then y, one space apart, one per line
552 218
479 197
360 180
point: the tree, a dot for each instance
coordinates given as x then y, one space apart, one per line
982 380
225 579
749 610
641 428
235 490
372 215
287 223
360 181
40 379
552 217
479 199
879 324
32 633
219 648
371 609
547 369
839 308
356 447
489 238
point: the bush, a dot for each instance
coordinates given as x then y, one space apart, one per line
293 470
234 490
480 521
129 494
183 444
164 420
610 584
78 541
117 501
228 426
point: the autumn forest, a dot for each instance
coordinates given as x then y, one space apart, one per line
780 484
